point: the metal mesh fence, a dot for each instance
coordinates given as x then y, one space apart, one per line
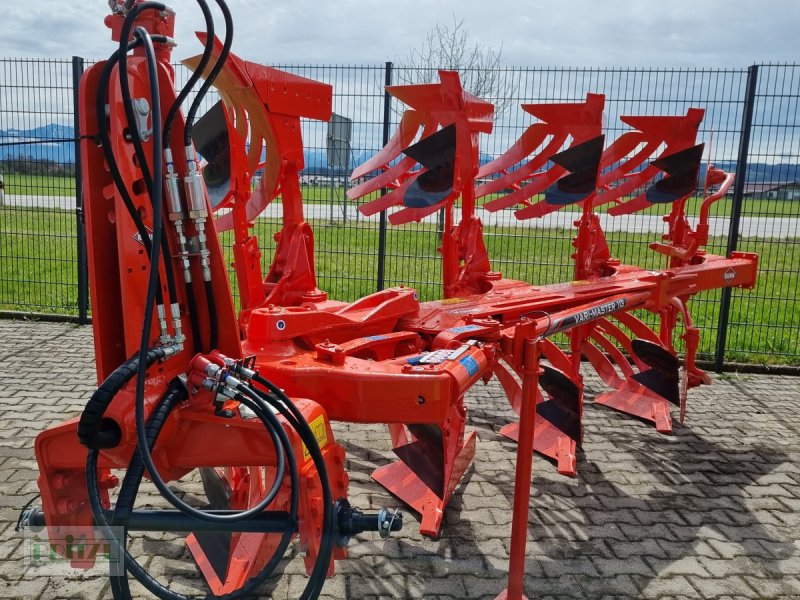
37 218
38 226
768 317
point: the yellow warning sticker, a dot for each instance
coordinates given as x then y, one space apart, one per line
452 300
320 434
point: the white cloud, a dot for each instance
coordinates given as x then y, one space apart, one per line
715 33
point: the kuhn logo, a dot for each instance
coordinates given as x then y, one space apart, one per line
729 275
138 237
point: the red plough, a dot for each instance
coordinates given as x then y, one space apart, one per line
188 384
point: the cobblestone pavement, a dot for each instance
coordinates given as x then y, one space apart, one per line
711 512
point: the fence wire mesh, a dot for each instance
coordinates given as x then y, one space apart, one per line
768 317
37 218
38 271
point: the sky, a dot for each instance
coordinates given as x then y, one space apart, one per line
614 33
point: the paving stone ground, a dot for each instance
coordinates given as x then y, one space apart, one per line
711 512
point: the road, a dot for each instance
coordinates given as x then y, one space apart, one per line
761 227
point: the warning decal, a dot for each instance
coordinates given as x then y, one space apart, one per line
320 434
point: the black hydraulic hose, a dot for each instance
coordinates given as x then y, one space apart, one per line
156 193
133 129
298 421
136 470
129 490
105 145
173 111
93 431
168 122
124 84
191 308
125 45
195 77
113 167
190 118
215 70
132 480
213 326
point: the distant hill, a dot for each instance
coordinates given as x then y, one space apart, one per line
47 143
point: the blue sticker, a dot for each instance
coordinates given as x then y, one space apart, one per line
465 328
375 338
469 364
281 325
414 360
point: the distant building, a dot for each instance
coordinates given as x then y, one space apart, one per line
321 180
773 190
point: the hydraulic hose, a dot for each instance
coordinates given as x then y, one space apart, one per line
105 145
195 77
288 409
190 119
213 326
127 498
93 431
133 129
167 135
133 478
156 192
191 308
212 76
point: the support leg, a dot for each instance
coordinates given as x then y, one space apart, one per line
522 485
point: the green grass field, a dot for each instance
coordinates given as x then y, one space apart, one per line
38 273
39 185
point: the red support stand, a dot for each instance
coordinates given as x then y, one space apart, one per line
522 481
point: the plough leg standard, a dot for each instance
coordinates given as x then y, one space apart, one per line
385 358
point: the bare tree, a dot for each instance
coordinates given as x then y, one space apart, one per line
451 47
